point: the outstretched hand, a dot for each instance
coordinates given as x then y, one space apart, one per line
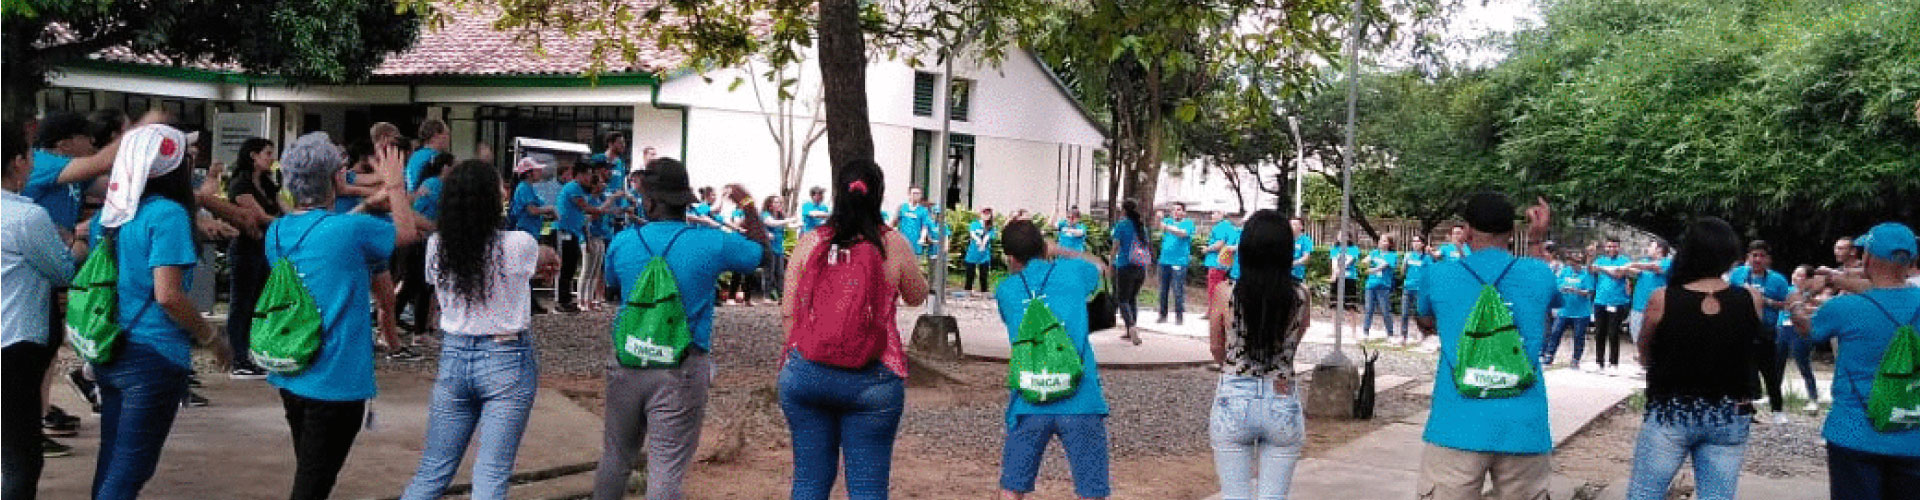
391 165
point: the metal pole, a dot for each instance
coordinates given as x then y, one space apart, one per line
1346 173
1299 175
937 169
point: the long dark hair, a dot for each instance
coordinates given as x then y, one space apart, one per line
856 211
467 242
178 187
1131 210
1264 296
1707 250
244 163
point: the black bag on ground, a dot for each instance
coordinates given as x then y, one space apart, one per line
1363 398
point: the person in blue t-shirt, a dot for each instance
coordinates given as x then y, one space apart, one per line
1302 249
1576 282
337 256
1129 273
570 228
774 214
1772 288
814 212
155 252
912 220
1611 298
65 161
1224 235
1072 231
1176 251
435 139
1469 439
1787 343
1652 275
527 212
979 256
415 291
1413 263
1456 246
1343 260
662 407
1863 463
1064 279
1379 267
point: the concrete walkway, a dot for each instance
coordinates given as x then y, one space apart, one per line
240 446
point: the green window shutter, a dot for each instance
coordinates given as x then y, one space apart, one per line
923 85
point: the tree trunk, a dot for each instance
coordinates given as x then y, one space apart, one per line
843 79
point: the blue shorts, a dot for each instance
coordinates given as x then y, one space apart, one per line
1083 436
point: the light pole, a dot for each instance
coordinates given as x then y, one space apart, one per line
1299 173
936 331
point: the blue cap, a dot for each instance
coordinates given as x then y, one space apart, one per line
1887 240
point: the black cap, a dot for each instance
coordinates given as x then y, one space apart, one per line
665 180
59 127
1489 213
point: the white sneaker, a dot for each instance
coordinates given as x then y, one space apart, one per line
1812 407
1779 418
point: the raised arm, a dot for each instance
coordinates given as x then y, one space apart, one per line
392 168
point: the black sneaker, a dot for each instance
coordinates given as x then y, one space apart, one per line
57 423
194 400
404 354
567 308
53 449
247 373
193 381
87 389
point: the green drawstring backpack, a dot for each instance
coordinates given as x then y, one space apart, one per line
1492 361
652 330
93 305
287 326
1044 366
1894 404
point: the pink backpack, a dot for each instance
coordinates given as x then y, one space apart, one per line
844 316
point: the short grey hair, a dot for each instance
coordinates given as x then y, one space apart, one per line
308 166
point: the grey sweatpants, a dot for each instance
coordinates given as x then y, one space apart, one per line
662 405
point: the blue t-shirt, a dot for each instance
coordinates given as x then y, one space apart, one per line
776 236
913 222
1125 236
417 167
1176 250
524 197
1065 292
1573 305
1222 232
428 203
1352 254
601 227
1450 252
160 235
1647 282
1506 425
1864 332
697 261
1774 287
1380 263
343 203
62 201
1611 292
336 261
1073 236
979 243
571 218
1414 264
1302 246
812 215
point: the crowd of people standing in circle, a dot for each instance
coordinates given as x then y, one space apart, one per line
369 230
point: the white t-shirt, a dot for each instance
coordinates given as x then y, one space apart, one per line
507 308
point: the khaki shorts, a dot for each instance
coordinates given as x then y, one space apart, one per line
1450 474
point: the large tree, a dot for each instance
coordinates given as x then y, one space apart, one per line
301 41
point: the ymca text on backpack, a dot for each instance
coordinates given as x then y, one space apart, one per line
652 330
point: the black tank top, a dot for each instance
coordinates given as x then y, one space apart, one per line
1696 356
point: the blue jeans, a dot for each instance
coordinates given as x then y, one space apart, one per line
1560 326
1409 297
484 384
1716 446
1173 280
1854 474
1379 300
1786 342
1084 437
831 411
1251 423
140 393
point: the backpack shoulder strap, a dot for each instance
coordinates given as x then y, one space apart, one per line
1496 279
1890 317
1043 282
670 241
303 235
